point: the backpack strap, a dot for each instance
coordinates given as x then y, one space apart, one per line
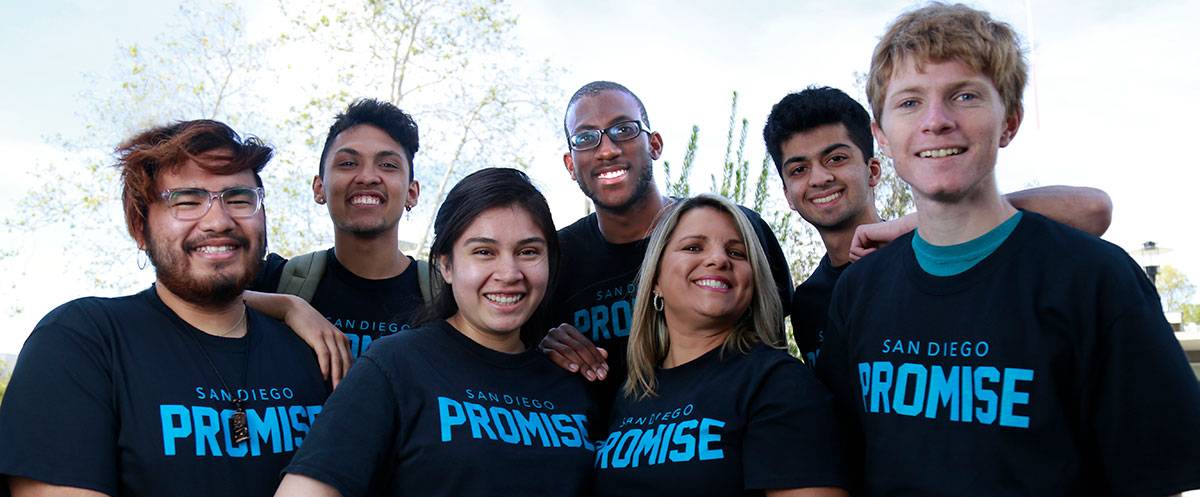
425 280
302 274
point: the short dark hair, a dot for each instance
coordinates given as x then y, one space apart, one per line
482 190
383 115
213 145
596 87
811 108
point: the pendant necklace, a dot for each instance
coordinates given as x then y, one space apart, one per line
237 423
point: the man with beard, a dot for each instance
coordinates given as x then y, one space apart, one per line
610 155
820 140
179 389
364 286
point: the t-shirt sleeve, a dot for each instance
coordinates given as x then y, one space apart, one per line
353 437
58 424
790 438
1147 405
835 370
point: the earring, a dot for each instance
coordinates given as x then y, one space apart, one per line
143 259
658 302
408 207
320 199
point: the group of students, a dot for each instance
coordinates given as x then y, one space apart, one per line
638 351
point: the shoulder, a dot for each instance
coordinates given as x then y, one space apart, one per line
777 371
578 231
886 261
92 316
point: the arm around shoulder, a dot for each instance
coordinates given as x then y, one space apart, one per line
1084 208
328 343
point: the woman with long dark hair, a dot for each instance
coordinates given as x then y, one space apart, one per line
458 406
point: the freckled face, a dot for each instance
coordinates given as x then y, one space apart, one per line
944 125
704 276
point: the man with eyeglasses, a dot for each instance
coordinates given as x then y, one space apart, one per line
178 389
611 153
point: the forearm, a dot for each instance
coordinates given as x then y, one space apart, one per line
276 305
1087 209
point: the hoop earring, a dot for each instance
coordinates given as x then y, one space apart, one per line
658 302
143 259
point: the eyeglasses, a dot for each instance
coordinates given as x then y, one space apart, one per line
190 204
620 132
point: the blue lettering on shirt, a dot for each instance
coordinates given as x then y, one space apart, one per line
206 430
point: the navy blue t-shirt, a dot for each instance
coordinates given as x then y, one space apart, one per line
430 412
1047 369
115 395
597 282
810 308
724 424
363 309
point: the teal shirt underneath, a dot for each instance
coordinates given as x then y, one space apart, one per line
950 260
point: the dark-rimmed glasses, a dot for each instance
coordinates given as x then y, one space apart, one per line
190 204
620 132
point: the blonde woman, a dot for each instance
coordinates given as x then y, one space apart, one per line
712 405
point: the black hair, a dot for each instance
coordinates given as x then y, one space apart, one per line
383 115
812 108
596 87
480 191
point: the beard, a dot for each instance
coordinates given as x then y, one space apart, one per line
640 187
173 269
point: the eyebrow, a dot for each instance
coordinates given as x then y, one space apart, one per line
826 150
493 241
619 119
380 155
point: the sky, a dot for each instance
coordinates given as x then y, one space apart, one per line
1111 104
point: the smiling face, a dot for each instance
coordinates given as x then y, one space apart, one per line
943 126
498 272
209 261
827 180
704 276
366 182
616 176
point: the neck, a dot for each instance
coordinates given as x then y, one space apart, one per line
224 320
508 343
951 223
375 257
634 223
687 345
837 240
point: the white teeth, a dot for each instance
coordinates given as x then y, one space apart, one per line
827 199
611 174
712 283
214 249
939 153
505 298
364 200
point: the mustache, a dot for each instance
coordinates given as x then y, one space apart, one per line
196 242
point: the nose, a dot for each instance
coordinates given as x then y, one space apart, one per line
937 118
607 151
507 270
717 258
818 175
216 220
368 176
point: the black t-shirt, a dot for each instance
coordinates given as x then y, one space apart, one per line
597 282
116 396
363 309
810 308
724 424
1046 369
430 412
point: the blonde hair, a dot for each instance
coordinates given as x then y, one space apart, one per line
939 33
648 339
